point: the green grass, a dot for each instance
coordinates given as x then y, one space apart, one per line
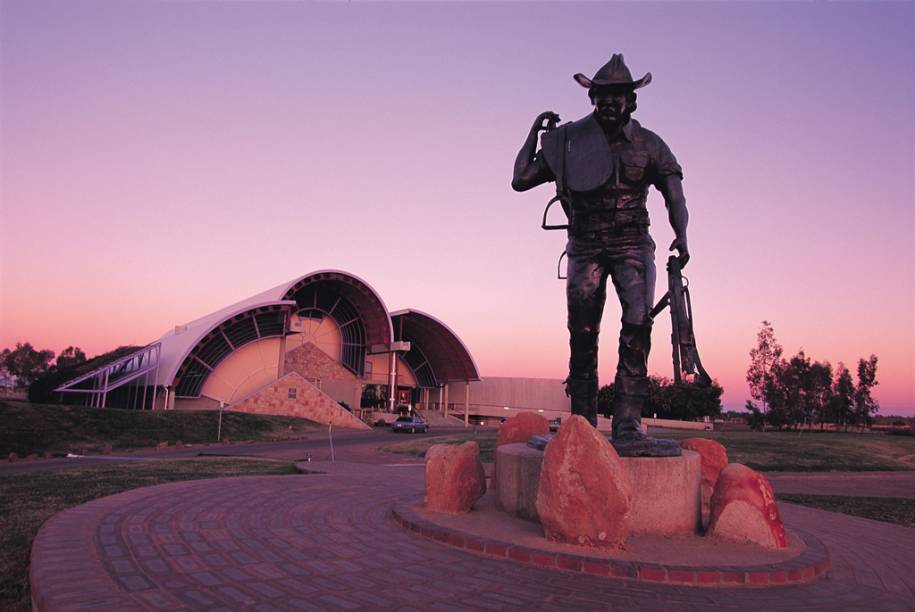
897 510
813 452
419 446
769 451
28 500
37 428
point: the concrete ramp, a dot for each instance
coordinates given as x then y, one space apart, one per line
292 395
437 418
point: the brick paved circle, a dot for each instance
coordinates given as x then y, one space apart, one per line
328 541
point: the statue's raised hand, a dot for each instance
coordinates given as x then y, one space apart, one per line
545 121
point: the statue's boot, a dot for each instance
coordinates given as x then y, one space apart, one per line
627 437
583 393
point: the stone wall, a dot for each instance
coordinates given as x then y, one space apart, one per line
292 395
311 362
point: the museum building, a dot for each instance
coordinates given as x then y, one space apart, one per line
322 346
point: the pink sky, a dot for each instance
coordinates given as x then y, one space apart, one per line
159 161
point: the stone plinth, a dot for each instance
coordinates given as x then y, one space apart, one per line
520 428
516 476
666 498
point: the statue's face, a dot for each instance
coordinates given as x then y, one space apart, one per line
612 105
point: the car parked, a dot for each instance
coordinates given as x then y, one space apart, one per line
411 423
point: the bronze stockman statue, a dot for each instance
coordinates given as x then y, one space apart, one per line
603 165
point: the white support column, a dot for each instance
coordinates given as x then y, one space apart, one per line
156 375
145 389
392 380
467 403
446 400
440 396
105 390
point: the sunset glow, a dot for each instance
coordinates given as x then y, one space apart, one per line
161 160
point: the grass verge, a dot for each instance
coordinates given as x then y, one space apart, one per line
419 446
776 451
28 500
37 428
767 452
897 510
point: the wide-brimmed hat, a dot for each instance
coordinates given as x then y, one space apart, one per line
613 73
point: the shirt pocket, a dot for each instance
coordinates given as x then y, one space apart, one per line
635 164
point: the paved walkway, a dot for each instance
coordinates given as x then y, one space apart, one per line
327 541
856 484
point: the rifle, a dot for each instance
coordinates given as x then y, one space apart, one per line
686 355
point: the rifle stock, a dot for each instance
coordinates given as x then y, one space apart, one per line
685 354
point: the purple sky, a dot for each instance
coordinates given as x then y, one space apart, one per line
160 160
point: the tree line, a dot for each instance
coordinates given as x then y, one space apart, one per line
686 401
799 391
34 370
28 364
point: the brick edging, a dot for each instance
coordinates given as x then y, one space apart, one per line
806 567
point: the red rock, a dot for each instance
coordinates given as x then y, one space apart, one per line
743 509
521 427
585 494
455 479
518 429
714 459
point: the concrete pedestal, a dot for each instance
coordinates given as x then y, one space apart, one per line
666 493
516 480
666 497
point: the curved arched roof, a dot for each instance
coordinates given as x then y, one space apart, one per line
364 299
441 347
180 341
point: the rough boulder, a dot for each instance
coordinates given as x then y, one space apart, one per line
743 509
585 494
455 479
714 459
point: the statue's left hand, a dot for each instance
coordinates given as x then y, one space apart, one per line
682 250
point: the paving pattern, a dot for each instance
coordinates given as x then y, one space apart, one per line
327 541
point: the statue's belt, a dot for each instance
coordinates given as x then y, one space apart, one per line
609 233
607 220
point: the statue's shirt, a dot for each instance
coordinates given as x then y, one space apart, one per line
607 180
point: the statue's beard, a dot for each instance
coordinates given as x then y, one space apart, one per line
612 121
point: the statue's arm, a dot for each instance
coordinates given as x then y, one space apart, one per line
671 187
531 169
